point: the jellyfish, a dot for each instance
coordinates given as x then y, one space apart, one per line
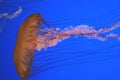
31 36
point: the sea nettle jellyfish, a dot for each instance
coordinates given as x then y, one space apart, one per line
31 37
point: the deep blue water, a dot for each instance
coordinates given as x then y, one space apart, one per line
75 58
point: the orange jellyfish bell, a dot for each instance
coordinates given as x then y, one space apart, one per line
26 44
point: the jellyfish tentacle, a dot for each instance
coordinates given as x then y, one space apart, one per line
68 64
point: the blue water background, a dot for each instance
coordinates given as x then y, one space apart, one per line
75 58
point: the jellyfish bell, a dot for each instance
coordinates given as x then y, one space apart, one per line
26 43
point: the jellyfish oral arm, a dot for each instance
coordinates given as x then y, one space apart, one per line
53 36
107 29
6 15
